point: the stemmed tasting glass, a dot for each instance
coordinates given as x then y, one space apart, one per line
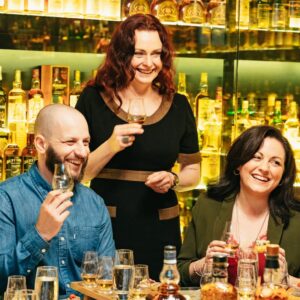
62 179
123 272
105 274
89 269
136 111
15 283
141 283
46 283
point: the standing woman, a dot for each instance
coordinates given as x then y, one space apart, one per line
130 164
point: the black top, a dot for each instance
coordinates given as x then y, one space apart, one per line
140 217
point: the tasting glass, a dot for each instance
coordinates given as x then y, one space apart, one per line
105 274
141 283
16 282
25 294
206 273
246 281
248 256
46 283
136 111
123 271
62 179
89 269
228 238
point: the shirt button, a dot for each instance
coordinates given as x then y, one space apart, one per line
62 262
43 250
67 285
62 238
28 271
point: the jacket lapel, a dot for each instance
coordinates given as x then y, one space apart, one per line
274 231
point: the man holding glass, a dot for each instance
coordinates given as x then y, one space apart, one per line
41 226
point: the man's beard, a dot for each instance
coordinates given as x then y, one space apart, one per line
52 158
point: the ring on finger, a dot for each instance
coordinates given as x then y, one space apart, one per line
125 139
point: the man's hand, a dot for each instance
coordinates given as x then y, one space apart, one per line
53 213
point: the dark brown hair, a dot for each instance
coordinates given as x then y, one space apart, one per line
242 150
116 72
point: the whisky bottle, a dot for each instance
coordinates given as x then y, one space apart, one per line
16 111
210 153
243 12
12 163
202 104
216 12
181 88
110 9
3 5
243 121
169 277
73 8
192 11
165 10
263 14
132 7
278 15
29 153
291 125
270 108
55 7
253 14
219 288
16 5
76 90
277 120
58 87
37 6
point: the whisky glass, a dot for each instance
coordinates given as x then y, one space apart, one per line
136 111
89 269
227 237
246 281
15 283
123 272
207 269
62 179
46 283
141 283
105 274
248 256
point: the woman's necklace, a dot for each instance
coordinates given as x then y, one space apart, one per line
238 223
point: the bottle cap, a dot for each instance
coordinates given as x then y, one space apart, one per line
220 258
273 249
170 253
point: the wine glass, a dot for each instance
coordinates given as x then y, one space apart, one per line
16 282
141 284
62 179
136 111
123 271
89 268
105 274
46 283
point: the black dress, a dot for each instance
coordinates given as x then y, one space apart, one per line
142 219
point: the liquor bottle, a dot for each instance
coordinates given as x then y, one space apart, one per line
92 8
29 153
263 14
110 9
12 162
36 6
55 7
291 125
277 120
16 5
210 153
16 111
76 90
219 101
3 104
216 12
169 277
219 288
73 8
202 104
181 88
270 108
253 14
278 15
192 11
132 7
243 121
243 12
165 10
58 87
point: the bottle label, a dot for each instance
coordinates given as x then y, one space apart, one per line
13 166
167 11
139 7
28 161
17 110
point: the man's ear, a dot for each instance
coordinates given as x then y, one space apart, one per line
40 143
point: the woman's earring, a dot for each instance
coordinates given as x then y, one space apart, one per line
236 172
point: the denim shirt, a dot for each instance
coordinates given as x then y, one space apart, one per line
22 249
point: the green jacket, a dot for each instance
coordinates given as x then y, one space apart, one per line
209 218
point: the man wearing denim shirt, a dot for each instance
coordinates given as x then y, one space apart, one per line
39 226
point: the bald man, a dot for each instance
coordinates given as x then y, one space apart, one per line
39 226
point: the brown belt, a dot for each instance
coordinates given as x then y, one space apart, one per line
119 174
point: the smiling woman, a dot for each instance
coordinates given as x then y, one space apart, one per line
130 164
256 194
